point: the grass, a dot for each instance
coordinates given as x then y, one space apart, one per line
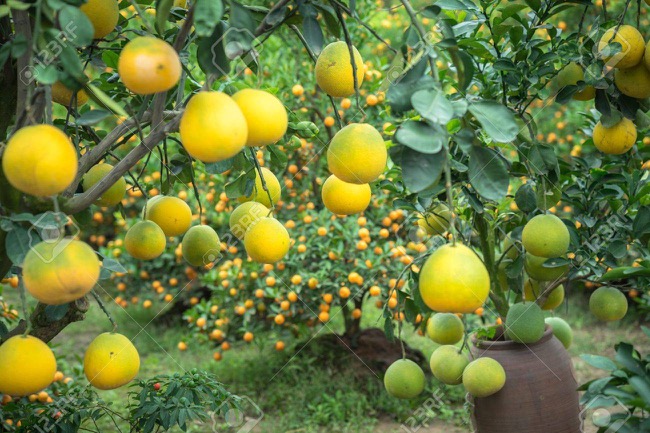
302 393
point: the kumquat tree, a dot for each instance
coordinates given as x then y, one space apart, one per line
306 215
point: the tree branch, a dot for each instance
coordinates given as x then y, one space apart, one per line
46 330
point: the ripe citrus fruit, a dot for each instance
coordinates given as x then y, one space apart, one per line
60 271
532 291
171 214
114 194
454 280
561 330
213 127
615 140
111 361
569 76
447 364
525 322
437 220
546 236
39 160
445 328
103 15
357 154
149 65
267 241
259 194
404 379
245 215
343 198
632 47
511 248
27 365
634 81
535 269
62 95
265 116
145 240
484 377
334 73
608 304
201 245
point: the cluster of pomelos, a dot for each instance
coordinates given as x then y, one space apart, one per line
626 55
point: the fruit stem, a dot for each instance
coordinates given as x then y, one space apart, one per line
23 301
259 171
450 199
103 307
418 27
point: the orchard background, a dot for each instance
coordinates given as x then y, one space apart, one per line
486 108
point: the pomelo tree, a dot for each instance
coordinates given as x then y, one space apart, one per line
465 206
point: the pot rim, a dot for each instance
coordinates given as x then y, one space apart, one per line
509 344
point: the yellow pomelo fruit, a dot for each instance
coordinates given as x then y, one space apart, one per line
454 280
111 361
357 154
245 215
27 366
145 240
180 4
149 65
608 304
103 14
445 328
437 220
569 76
537 271
62 95
561 330
40 160
265 116
201 246
484 377
447 364
334 73
532 291
634 81
213 127
546 236
60 271
259 194
172 215
631 50
114 194
404 379
342 198
525 322
615 140
267 241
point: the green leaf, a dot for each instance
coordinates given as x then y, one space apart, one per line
18 243
389 329
433 105
497 120
92 117
488 173
75 26
211 53
526 198
625 272
421 137
54 313
207 15
163 8
420 170
599 362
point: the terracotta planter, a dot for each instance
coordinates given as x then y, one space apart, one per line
540 394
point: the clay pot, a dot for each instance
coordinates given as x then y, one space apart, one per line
540 394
